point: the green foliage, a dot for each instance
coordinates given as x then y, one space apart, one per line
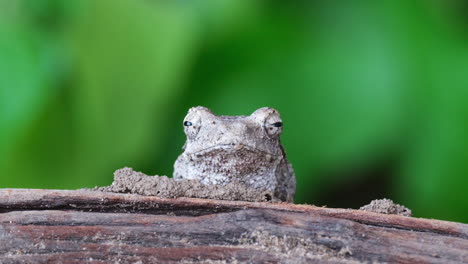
87 87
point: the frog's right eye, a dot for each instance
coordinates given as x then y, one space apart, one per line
192 124
193 120
192 127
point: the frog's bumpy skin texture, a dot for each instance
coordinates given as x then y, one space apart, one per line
243 149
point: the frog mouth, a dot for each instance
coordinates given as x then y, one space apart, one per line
231 148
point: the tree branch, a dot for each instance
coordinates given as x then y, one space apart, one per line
39 226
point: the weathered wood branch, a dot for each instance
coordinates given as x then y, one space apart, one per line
39 226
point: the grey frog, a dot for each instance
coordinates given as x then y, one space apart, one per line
243 149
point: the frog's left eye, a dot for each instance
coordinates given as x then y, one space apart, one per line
270 119
273 125
277 124
187 123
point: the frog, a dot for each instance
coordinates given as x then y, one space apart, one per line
236 149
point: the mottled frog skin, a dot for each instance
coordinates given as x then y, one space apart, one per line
243 149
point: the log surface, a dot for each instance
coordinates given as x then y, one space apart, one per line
50 226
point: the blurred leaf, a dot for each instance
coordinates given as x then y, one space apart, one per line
434 178
131 59
30 69
23 86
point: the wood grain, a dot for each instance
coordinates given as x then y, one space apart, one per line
64 226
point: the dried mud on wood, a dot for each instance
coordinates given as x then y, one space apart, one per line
386 206
38 226
126 180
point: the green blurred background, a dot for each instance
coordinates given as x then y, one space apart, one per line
373 94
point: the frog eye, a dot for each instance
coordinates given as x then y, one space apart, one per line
273 125
192 127
270 119
192 123
277 124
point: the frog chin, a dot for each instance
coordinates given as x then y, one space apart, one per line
222 164
226 163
